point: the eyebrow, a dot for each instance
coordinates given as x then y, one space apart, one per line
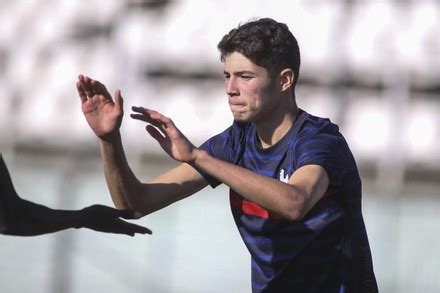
239 73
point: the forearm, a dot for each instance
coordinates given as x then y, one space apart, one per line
26 218
129 193
279 197
123 185
169 187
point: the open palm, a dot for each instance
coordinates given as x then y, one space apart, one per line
170 138
102 113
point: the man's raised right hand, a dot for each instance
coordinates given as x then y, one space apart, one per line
102 113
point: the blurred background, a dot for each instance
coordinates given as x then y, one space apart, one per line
372 67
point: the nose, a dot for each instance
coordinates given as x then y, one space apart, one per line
231 87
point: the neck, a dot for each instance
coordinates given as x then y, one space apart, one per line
272 131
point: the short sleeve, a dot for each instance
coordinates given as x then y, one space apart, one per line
328 150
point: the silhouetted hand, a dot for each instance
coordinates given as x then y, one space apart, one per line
106 219
21 217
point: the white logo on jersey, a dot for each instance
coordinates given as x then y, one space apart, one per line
284 177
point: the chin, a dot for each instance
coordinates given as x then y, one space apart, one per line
241 118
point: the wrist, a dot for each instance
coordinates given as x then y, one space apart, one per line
199 155
83 217
78 218
111 137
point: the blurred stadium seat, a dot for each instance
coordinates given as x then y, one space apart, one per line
420 46
369 39
367 127
422 132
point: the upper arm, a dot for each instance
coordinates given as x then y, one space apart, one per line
311 181
169 187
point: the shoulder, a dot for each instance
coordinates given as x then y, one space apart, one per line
319 139
320 142
311 124
319 132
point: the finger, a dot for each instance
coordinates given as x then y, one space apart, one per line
86 86
80 77
140 117
143 117
131 229
99 88
146 115
146 111
81 92
119 101
164 121
154 117
156 134
130 215
141 229
147 119
136 228
89 82
142 110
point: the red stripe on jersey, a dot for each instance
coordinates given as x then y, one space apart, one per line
251 208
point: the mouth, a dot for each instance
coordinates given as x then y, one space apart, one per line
237 107
236 103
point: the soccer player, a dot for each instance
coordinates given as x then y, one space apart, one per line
295 191
20 217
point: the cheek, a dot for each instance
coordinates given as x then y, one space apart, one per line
260 97
256 95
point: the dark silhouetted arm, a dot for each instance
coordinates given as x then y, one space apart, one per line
24 218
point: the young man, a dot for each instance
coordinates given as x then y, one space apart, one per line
295 191
20 217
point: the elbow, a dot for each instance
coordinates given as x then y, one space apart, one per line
296 211
121 206
126 198
139 213
120 203
294 216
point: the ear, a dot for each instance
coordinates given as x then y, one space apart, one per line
286 79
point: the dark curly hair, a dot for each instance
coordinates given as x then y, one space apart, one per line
266 42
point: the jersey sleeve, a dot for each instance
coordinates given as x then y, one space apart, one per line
326 149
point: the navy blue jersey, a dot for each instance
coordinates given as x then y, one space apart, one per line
326 251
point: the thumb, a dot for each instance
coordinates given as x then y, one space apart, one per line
155 134
119 101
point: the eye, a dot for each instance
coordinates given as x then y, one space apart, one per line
226 77
246 77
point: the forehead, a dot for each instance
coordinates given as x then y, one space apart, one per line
238 62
